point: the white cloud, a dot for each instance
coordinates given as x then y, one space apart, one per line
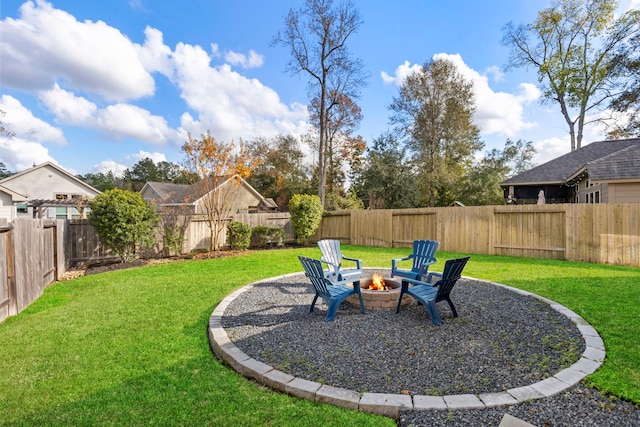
215 50
19 154
228 104
117 120
134 122
107 166
155 156
25 125
550 148
89 74
497 112
400 74
495 72
627 5
47 45
68 108
154 54
118 169
254 60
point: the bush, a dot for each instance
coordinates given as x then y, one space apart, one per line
306 214
276 235
259 236
335 201
124 221
238 235
262 236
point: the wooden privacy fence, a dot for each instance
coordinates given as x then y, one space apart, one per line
31 257
198 234
83 243
600 233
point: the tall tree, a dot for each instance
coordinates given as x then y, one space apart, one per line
146 170
4 172
280 171
342 120
384 180
434 113
627 102
482 186
101 181
3 129
219 168
571 45
317 37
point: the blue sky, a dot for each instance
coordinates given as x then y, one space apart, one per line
98 85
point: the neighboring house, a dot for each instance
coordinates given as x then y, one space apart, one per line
600 172
9 201
245 200
44 191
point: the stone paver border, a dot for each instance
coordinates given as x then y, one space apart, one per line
391 404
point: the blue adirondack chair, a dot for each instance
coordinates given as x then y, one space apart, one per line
423 256
430 294
332 256
332 292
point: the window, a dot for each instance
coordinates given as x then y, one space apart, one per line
590 197
586 198
61 213
22 208
586 184
61 197
597 197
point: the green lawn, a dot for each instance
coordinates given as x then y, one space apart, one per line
130 347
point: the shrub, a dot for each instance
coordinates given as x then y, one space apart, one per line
262 236
124 221
276 235
238 235
306 214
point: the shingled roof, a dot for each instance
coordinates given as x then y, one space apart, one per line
603 160
624 164
172 193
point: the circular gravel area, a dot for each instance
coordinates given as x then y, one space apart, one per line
501 340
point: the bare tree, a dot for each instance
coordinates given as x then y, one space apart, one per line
342 120
317 36
571 45
219 169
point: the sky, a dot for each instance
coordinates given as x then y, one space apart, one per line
96 86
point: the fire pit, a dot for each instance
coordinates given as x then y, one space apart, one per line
380 294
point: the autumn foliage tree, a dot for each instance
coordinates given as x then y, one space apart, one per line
220 169
280 171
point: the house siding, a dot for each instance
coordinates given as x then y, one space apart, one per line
45 183
148 193
240 202
590 192
624 192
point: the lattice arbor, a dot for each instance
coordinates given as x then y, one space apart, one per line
40 206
